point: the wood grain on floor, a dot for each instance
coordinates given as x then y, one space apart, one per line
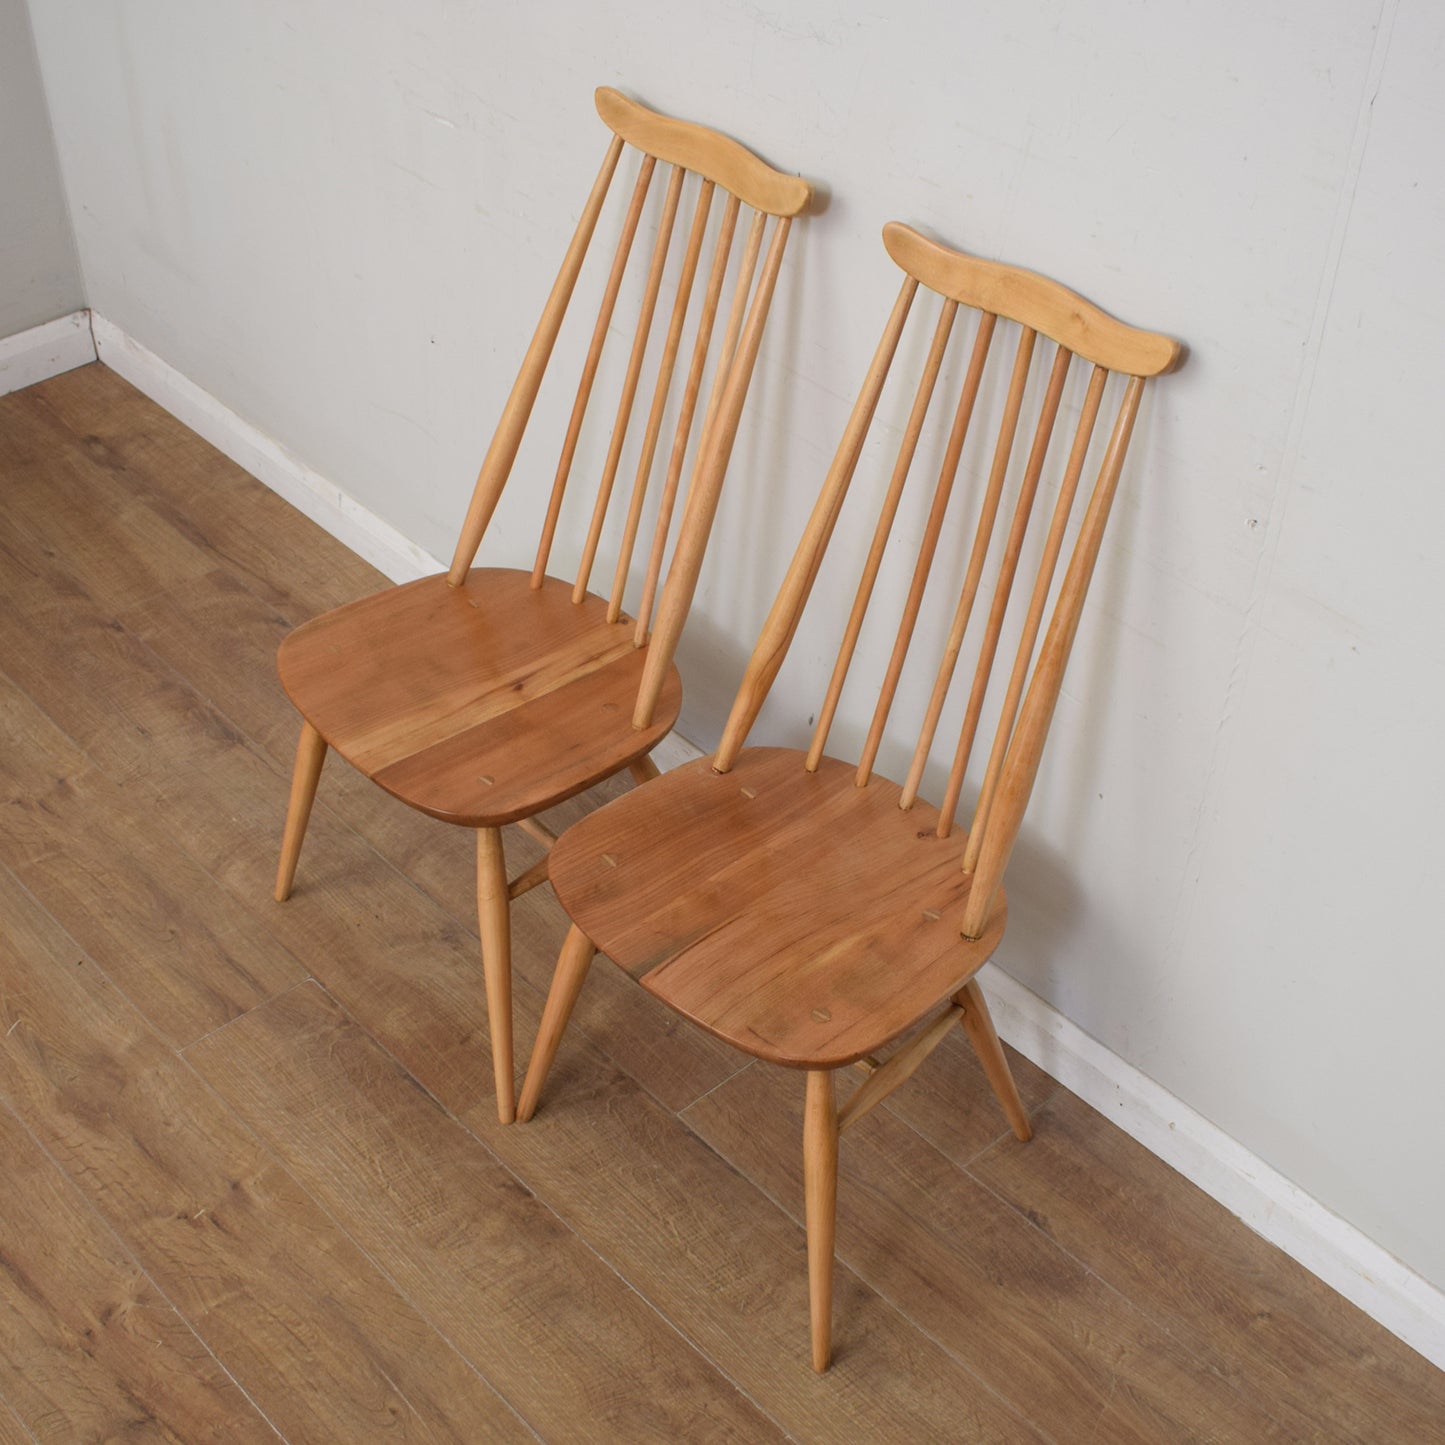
253 1183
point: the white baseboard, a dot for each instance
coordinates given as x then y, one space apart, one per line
1387 1290
266 459
1338 1253
45 351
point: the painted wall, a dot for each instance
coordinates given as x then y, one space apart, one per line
341 220
39 271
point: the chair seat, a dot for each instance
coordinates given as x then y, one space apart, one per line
478 704
801 918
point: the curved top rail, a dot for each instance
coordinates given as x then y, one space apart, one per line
709 152
1034 301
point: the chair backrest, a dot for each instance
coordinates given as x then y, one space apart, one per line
719 165
1041 308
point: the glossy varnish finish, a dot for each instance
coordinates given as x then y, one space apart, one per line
254 1186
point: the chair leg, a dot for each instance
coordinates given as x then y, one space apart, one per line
644 770
495 920
572 965
978 1025
310 754
820 1187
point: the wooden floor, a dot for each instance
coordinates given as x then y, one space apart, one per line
253 1183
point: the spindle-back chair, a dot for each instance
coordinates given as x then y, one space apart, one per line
485 695
805 909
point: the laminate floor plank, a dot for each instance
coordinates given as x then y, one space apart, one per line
70 515
431 1205
191 489
184 951
1066 1350
89 1348
316 1337
1240 1306
12 1432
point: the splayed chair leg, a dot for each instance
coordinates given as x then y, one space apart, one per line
310 754
820 1185
644 770
978 1025
572 964
494 918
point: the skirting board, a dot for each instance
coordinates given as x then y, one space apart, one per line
1387 1290
45 351
1338 1253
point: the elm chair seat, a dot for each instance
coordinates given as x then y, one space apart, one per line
520 699
717 892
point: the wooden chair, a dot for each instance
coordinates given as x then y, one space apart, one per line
485 695
804 909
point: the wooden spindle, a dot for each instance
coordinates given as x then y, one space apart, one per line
881 532
715 452
726 352
629 384
973 574
942 491
686 411
1003 589
589 367
1053 543
782 622
652 682
659 397
741 288
1026 747
497 464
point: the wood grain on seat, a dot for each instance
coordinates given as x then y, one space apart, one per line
518 699
802 918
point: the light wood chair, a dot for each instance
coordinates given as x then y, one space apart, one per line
807 910
485 695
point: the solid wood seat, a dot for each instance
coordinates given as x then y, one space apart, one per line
483 697
809 911
519 700
797 916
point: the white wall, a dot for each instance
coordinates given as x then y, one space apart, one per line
39 272
341 219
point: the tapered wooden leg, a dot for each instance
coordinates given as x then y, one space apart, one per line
820 1187
644 770
978 1025
310 754
571 972
495 919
